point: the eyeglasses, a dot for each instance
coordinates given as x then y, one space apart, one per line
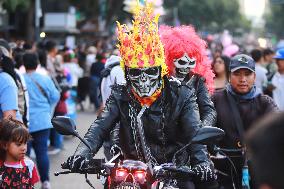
134 72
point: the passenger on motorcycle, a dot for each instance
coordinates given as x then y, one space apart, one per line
171 118
187 60
238 106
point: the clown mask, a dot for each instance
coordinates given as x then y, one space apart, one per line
183 66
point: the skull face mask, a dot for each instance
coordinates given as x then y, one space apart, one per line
183 66
144 81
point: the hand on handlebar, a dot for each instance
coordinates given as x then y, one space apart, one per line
115 150
204 173
75 163
166 170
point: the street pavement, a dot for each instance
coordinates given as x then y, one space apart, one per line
73 181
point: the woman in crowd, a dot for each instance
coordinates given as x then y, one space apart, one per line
221 70
8 87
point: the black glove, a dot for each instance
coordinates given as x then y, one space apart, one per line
115 150
75 163
204 173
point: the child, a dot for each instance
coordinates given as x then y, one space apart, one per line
16 171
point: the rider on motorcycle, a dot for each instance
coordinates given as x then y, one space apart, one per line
171 118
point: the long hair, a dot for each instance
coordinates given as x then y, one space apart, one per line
226 60
7 65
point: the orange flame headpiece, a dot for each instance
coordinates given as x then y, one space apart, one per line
140 46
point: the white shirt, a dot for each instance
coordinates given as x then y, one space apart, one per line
116 76
278 93
90 59
261 79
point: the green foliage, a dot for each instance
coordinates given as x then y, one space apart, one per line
89 7
275 20
12 5
111 10
212 15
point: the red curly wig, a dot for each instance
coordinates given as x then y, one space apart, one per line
184 39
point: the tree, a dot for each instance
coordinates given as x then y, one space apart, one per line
110 10
11 5
275 20
18 10
212 15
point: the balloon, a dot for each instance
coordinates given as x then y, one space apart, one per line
231 50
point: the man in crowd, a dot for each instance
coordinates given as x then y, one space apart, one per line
112 75
278 80
271 68
269 63
265 144
238 106
260 71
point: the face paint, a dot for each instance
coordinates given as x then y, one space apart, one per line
183 66
144 81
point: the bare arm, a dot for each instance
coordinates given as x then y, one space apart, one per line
9 113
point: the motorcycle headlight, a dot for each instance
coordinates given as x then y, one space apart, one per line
140 176
121 174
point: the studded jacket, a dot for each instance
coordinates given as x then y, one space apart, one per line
206 107
169 123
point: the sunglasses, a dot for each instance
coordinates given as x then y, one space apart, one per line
134 72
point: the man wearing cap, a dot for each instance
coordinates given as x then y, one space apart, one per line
278 80
238 106
112 75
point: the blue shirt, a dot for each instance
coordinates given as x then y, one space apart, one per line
40 106
8 95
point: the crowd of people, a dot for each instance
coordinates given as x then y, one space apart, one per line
181 87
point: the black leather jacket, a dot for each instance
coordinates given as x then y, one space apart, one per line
169 123
206 107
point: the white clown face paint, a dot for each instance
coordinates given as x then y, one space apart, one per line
183 66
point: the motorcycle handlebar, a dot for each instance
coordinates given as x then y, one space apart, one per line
62 173
94 166
174 172
229 150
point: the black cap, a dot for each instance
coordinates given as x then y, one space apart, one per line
242 61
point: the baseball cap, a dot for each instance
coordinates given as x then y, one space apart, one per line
242 61
279 54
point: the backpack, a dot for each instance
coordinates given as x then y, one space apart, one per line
22 101
106 72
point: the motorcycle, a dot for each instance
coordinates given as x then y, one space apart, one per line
133 174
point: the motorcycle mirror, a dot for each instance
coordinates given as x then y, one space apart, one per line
208 135
205 135
64 125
